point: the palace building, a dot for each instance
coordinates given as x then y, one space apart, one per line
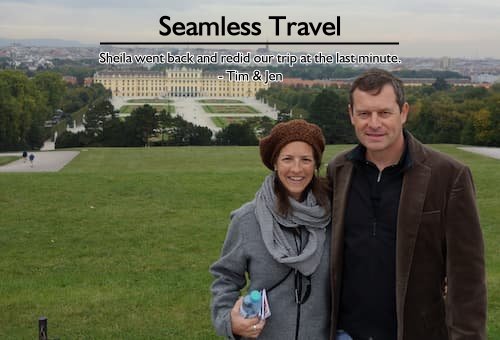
176 82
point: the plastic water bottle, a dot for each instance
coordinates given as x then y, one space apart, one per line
251 304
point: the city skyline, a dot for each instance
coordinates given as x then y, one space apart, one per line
427 29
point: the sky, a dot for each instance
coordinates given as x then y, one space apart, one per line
427 28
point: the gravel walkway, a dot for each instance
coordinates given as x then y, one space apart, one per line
486 151
49 161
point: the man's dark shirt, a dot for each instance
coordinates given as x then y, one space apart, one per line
368 292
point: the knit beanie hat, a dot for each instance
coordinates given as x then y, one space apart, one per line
291 131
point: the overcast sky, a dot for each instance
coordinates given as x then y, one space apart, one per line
427 28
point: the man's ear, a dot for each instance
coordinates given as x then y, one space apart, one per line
349 111
404 112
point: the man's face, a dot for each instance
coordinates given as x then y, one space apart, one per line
378 121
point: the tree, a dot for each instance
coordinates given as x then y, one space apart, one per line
329 111
261 125
119 133
36 135
236 134
438 121
145 121
440 84
95 117
23 111
468 134
199 135
72 140
75 99
53 88
481 121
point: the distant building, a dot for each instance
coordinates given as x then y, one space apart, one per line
88 81
299 82
445 63
70 80
430 81
486 78
340 82
177 82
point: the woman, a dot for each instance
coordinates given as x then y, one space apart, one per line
280 241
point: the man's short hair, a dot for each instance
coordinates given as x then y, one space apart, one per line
374 80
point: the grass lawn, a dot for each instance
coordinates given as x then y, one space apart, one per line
117 245
130 108
219 101
7 159
148 101
225 121
229 109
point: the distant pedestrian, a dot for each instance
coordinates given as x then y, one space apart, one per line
32 158
25 156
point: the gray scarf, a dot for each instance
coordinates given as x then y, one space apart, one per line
308 214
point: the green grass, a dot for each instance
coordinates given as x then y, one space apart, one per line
130 108
225 121
7 159
229 109
117 245
148 101
220 101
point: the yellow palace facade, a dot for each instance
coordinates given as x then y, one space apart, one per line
182 82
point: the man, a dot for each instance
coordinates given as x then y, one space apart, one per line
407 248
32 158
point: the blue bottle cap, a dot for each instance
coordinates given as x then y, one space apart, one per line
255 295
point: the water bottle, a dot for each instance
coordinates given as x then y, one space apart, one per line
251 304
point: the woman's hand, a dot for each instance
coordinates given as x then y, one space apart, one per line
248 328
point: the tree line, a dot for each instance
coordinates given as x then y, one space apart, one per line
146 126
439 113
322 71
26 103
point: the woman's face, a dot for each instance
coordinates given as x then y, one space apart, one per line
295 167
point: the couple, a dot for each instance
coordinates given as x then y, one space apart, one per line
389 248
